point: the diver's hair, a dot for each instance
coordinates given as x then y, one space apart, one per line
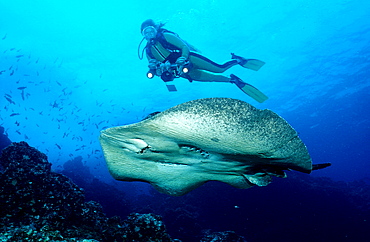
151 22
160 25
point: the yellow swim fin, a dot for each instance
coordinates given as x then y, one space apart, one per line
252 64
248 89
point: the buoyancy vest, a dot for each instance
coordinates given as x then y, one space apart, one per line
169 48
172 50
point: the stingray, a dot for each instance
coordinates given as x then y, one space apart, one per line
211 139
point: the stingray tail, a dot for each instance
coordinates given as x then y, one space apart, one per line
320 166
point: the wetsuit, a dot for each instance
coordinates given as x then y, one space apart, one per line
169 47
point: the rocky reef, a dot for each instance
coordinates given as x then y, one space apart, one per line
41 205
227 236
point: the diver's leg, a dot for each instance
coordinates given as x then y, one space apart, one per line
201 62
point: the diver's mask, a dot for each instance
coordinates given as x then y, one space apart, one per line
149 32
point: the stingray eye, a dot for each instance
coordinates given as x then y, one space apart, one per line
143 150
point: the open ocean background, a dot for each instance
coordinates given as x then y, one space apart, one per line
71 69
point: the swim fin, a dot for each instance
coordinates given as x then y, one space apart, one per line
252 64
249 89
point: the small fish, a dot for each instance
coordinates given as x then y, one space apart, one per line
9 100
14 114
19 56
58 146
4 37
21 88
55 105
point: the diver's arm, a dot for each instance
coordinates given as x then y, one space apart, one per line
152 63
173 39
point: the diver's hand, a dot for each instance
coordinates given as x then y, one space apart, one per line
153 64
181 61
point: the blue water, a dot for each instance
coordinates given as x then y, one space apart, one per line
78 63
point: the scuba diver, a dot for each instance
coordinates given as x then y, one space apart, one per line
170 57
